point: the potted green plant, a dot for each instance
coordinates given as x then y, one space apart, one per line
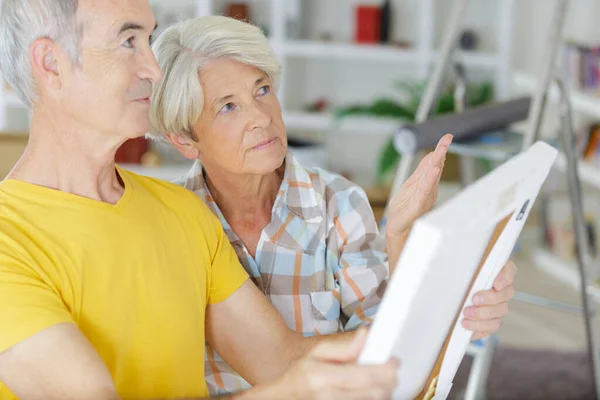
477 94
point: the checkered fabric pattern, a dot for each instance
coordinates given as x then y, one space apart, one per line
321 261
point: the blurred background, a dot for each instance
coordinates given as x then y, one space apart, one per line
355 71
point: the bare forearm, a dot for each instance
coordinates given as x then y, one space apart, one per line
394 246
298 346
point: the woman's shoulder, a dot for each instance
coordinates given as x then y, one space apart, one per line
335 190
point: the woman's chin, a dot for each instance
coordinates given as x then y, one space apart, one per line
265 162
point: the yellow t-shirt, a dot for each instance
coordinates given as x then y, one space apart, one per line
135 277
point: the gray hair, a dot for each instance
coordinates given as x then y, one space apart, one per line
24 21
183 49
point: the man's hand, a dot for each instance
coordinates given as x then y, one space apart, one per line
329 371
490 306
415 197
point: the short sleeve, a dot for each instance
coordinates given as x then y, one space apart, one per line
27 304
227 274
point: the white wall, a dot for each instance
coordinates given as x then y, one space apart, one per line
363 82
533 19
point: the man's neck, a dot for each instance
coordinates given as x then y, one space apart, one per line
71 159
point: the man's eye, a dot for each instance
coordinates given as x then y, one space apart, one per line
129 42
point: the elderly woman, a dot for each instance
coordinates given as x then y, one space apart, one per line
307 237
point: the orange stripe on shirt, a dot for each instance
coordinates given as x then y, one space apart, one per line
297 184
361 314
296 292
281 229
214 368
341 232
350 281
353 285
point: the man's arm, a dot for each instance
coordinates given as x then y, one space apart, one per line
57 363
252 337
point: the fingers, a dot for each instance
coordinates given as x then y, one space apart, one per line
480 335
492 297
482 328
506 277
359 380
438 156
341 349
429 184
446 140
422 169
486 312
434 159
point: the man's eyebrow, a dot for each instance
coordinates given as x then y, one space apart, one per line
133 26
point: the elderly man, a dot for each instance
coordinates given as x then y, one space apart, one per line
111 282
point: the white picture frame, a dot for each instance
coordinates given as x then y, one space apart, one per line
452 252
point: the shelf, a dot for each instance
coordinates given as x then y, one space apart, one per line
374 52
326 122
562 270
583 102
344 51
588 173
474 59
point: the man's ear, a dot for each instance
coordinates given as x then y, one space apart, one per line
45 63
185 146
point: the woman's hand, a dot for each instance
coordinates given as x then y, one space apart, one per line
416 197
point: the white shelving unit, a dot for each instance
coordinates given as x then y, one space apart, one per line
375 53
587 104
419 57
324 121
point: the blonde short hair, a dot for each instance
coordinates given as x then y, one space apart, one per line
183 49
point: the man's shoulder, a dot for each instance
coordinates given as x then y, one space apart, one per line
177 197
158 187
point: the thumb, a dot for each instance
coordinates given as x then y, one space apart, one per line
341 350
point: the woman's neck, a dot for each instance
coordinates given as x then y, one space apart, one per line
241 197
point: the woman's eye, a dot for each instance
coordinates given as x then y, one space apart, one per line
226 108
264 90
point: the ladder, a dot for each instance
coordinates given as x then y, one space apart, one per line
410 140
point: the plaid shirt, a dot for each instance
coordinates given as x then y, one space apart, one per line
321 261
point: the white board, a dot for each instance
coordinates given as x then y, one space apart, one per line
436 275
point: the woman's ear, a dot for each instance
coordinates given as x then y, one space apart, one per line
185 146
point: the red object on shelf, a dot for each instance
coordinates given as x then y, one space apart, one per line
131 151
239 11
368 21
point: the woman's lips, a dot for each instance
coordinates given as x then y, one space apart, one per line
264 144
